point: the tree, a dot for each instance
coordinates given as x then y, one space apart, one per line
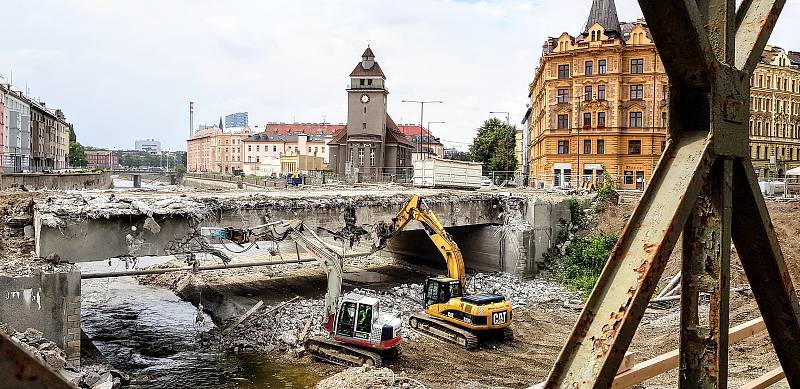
77 155
493 146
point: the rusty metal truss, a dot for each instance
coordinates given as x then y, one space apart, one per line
706 188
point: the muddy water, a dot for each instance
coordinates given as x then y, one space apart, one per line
150 333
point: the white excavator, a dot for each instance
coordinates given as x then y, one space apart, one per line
358 332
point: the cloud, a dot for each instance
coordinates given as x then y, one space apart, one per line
127 70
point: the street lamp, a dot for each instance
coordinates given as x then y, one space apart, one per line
422 115
428 136
508 118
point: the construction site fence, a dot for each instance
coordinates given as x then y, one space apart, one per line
588 181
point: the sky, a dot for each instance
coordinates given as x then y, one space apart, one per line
126 70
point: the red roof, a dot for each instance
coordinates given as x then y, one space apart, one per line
393 133
413 130
302 128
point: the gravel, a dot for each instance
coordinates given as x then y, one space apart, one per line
367 377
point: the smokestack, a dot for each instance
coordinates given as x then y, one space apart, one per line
191 118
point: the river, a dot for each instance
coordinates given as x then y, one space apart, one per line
150 333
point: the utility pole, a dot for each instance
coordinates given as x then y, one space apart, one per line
421 117
428 134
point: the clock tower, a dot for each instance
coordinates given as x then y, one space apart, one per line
371 146
366 98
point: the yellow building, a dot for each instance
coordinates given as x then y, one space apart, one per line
598 104
775 113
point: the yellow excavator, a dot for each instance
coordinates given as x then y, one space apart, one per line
451 313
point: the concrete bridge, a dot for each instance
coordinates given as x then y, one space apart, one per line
496 232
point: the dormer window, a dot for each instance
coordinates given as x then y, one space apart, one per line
594 35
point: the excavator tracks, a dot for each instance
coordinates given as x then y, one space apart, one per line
341 354
443 331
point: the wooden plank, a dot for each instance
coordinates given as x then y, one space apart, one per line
766 380
304 332
665 362
244 317
628 361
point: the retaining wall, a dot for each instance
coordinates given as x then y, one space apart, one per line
48 302
56 181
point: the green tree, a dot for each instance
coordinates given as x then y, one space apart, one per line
493 146
77 155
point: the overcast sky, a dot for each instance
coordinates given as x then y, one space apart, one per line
126 70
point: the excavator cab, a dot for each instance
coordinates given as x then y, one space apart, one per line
439 290
359 321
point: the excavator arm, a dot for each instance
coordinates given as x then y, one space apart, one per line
414 209
295 231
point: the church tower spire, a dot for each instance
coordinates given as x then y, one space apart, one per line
604 13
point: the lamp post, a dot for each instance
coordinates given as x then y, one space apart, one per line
422 116
508 116
428 135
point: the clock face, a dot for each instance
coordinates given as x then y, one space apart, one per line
364 99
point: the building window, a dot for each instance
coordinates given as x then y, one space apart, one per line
372 157
637 92
360 156
589 68
369 82
587 146
634 147
628 177
635 120
361 81
601 119
563 71
601 92
587 119
563 121
587 93
274 149
249 148
601 66
664 121
563 96
363 126
601 146
637 66
563 147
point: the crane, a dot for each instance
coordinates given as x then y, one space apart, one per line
359 333
450 312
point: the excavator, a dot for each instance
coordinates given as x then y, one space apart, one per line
451 313
359 333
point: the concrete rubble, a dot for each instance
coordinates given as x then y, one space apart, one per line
366 377
279 331
87 377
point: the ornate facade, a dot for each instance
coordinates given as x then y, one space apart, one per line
775 113
598 105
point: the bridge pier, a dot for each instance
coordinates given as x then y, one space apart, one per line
137 181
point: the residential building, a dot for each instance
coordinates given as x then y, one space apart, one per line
303 128
102 159
60 146
16 132
45 135
302 164
238 119
598 104
425 143
775 113
216 150
3 92
519 145
151 146
371 145
262 152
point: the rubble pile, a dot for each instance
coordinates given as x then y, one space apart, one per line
88 377
270 330
55 211
367 377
